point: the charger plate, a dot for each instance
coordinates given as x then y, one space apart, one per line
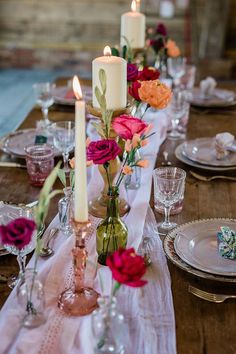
172 255
60 95
14 143
220 98
202 150
179 153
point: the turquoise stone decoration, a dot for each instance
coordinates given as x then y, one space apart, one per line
227 242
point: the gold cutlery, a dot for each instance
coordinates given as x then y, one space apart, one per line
210 178
217 298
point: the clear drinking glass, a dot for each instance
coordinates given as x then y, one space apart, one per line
40 162
187 81
64 140
178 111
176 69
44 98
169 184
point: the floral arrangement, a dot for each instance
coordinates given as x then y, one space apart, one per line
134 133
17 233
161 43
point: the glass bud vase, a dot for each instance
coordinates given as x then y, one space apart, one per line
112 232
64 209
133 181
108 327
30 294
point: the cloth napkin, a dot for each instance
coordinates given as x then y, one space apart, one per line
207 87
223 143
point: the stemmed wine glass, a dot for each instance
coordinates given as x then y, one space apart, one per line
176 69
64 140
20 253
178 109
169 184
44 98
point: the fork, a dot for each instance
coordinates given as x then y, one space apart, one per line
217 298
208 179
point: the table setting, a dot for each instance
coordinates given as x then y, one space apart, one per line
122 235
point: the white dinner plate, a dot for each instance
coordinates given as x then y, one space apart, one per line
64 95
220 98
15 143
196 243
202 150
179 153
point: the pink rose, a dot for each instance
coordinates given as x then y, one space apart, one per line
126 126
17 233
102 151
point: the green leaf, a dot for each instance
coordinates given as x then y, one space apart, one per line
99 129
39 245
124 51
72 178
115 52
103 80
98 95
62 176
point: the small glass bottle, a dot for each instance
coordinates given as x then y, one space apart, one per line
133 181
30 294
64 209
108 327
112 232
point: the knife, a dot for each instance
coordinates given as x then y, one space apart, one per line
11 164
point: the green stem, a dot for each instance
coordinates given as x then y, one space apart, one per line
108 178
116 287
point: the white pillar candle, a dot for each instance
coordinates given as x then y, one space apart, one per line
81 198
133 28
116 76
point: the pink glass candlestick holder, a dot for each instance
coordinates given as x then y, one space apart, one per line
79 300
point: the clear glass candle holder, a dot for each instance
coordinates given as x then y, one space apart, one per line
40 162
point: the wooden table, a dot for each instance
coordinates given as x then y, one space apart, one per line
202 327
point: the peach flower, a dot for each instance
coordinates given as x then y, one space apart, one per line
89 163
143 163
155 93
72 163
135 140
127 170
148 129
128 145
172 49
143 142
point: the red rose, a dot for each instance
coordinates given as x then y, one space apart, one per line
133 90
148 73
17 233
161 29
132 72
102 151
126 126
127 267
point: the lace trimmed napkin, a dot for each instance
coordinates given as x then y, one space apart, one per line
223 145
207 87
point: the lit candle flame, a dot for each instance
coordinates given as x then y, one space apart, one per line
133 6
107 51
77 88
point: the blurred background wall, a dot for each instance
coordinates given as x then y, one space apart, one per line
68 34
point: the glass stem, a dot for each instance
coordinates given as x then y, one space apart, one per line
167 215
21 261
45 113
66 166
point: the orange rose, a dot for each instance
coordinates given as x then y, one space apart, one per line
155 93
127 170
172 49
143 163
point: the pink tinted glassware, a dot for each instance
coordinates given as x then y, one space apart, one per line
176 208
40 162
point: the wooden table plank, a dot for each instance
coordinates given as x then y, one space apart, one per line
201 327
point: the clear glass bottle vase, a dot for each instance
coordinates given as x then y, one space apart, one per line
64 210
30 294
108 327
133 181
112 232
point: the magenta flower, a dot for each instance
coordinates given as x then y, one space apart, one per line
17 233
133 90
132 72
126 126
148 73
102 151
